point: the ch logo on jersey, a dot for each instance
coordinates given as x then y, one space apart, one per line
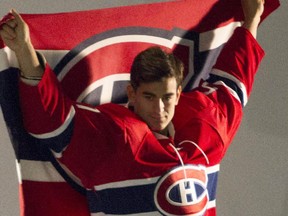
183 191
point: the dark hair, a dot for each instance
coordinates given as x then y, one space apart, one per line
154 64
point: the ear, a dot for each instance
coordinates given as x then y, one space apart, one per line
131 93
178 93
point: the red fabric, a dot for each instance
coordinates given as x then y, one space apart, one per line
50 199
209 119
65 31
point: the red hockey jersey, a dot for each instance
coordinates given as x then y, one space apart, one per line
125 168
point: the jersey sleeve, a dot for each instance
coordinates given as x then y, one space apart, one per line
45 109
73 132
237 64
231 80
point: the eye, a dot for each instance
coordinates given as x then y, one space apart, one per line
168 97
148 97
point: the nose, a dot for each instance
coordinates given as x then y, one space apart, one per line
158 106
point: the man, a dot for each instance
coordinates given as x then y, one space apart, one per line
162 155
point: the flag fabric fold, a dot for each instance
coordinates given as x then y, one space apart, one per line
91 53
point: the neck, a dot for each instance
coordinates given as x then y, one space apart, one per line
164 132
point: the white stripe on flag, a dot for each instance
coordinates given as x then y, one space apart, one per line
39 171
212 39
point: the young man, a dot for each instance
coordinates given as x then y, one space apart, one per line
161 158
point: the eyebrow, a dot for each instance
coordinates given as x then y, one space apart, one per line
152 94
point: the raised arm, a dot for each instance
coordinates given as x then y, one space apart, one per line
44 102
252 10
15 34
231 79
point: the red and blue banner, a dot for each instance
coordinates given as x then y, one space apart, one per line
91 53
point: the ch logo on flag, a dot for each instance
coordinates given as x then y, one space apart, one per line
106 59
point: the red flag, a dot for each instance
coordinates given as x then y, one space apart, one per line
91 53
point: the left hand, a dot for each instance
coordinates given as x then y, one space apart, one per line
253 10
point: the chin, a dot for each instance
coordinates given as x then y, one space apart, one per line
158 128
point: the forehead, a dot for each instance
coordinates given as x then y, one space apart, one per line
166 85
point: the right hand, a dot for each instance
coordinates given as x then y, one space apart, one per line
15 32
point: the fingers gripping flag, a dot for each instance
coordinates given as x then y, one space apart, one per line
91 53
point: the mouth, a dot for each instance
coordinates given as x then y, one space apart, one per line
158 123
158 119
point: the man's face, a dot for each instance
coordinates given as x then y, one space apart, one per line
155 102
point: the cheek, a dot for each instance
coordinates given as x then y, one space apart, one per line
171 111
140 107
170 107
